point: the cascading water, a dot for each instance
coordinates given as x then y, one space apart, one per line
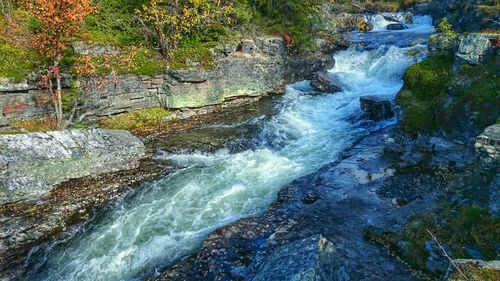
170 218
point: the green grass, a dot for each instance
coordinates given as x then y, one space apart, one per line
146 62
35 125
193 52
16 63
115 23
150 117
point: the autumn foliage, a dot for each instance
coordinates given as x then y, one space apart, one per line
60 20
172 19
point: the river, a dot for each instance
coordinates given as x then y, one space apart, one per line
169 219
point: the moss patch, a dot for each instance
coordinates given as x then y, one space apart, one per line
425 88
434 97
35 125
454 226
151 117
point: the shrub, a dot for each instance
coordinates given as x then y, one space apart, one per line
115 23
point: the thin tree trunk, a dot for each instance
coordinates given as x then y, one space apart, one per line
59 110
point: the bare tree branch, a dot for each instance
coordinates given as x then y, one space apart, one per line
447 256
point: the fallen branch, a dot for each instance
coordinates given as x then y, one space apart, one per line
447 256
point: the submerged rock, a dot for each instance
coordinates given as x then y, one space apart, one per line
377 108
396 26
311 258
31 164
323 82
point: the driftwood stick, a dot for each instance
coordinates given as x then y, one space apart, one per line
447 256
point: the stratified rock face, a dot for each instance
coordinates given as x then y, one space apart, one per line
474 270
323 82
474 47
249 69
377 108
254 67
488 147
31 164
310 259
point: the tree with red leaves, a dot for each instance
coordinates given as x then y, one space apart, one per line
60 21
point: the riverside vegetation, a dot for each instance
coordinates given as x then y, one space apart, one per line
148 45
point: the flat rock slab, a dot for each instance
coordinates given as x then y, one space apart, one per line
31 164
311 258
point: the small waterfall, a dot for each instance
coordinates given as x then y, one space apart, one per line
415 23
169 218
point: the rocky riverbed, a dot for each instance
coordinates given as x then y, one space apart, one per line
58 214
250 192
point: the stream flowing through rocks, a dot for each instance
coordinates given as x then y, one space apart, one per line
169 219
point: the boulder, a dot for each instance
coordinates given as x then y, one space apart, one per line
473 48
378 108
396 26
312 258
31 164
323 82
488 147
475 270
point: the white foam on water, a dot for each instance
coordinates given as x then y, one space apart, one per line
417 24
171 217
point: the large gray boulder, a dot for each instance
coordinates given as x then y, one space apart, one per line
473 48
323 82
377 108
309 259
31 164
488 147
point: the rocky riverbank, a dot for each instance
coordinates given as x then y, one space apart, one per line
28 224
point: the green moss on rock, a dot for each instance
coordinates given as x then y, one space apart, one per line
436 98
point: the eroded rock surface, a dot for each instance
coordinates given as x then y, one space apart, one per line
31 164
